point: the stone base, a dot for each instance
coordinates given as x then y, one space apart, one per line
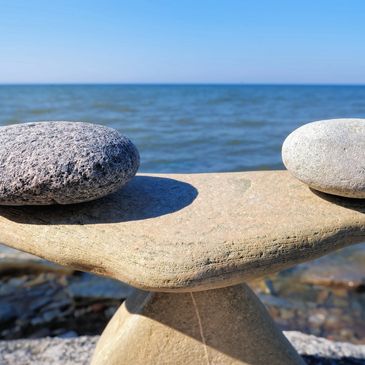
227 326
78 351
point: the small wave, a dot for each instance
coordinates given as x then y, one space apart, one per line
40 111
185 121
113 107
251 123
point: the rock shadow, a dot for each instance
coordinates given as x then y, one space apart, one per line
321 360
142 198
349 203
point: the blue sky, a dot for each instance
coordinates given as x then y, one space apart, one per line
182 41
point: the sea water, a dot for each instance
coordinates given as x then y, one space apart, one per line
189 128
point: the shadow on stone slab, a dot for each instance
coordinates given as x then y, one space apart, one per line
350 203
142 198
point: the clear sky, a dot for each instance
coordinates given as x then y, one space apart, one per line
182 41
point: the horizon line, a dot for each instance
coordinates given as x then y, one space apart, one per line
172 84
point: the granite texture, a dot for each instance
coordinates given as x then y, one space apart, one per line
48 351
62 162
320 347
329 156
190 232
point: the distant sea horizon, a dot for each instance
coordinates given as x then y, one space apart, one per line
170 84
185 127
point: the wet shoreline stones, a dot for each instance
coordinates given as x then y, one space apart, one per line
62 162
329 156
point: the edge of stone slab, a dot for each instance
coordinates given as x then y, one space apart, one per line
79 350
13 259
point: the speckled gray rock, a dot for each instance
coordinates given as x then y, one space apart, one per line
62 162
46 351
320 347
329 156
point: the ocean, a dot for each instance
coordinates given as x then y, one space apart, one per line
189 128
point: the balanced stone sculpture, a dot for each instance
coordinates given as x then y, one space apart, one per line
329 156
189 243
62 162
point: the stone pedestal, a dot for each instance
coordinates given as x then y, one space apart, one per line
227 326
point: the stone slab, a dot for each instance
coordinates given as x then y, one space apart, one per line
190 232
11 259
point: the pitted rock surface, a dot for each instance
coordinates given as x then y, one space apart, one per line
329 156
62 162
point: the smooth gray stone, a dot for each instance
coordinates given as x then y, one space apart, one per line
62 162
329 156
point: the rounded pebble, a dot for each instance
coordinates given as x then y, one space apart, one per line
329 156
62 162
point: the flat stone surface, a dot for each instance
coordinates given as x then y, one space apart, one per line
190 232
329 156
62 162
78 351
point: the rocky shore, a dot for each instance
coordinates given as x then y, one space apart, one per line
65 309
38 299
78 351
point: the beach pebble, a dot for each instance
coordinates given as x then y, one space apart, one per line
62 162
329 156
